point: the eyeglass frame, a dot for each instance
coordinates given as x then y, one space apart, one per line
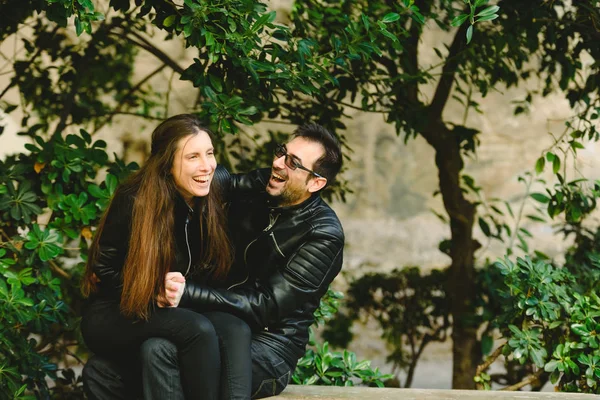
281 151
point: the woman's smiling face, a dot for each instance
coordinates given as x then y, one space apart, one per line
194 165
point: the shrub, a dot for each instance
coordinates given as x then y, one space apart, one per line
320 366
49 205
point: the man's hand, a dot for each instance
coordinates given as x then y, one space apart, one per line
174 285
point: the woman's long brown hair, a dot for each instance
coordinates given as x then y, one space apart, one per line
151 243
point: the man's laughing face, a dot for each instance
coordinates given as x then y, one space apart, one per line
293 186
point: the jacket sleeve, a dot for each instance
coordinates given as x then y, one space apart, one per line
304 278
232 185
114 243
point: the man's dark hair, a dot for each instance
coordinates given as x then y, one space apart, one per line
330 163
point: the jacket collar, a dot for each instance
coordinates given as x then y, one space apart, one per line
183 209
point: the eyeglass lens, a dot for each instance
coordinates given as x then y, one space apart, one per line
281 151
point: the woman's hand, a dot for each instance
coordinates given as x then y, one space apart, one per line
174 286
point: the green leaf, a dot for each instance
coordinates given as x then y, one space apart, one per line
535 218
215 83
487 18
539 165
390 17
556 165
388 34
169 21
459 20
469 33
487 342
551 365
87 4
111 183
555 324
485 227
78 26
47 243
577 145
488 11
248 111
208 92
542 198
264 19
95 191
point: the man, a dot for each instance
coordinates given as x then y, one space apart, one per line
289 246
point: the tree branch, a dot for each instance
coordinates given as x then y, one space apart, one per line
362 109
525 382
442 92
128 95
149 47
13 81
410 62
490 360
59 270
113 113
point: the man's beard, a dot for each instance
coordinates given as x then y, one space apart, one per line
289 195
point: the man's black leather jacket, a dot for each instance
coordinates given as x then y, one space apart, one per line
286 257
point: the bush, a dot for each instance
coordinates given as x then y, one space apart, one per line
411 308
547 317
320 366
49 205
550 323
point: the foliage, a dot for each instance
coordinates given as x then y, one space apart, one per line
320 366
411 309
46 217
486 14
548 324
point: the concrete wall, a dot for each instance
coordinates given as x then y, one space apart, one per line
294 392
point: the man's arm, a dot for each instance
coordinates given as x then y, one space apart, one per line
239 184
305 277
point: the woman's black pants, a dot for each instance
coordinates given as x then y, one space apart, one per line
199 342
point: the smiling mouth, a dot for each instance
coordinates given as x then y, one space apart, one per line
277 178
201 179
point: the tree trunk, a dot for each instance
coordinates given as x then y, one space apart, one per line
461 282
461 279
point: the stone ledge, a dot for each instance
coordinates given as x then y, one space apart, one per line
298 392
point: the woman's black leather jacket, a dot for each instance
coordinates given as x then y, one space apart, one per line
114 244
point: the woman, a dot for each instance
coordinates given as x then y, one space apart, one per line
163 224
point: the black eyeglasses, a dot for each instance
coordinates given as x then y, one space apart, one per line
291 161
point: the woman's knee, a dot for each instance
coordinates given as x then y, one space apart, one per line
158 350
198 327
228 325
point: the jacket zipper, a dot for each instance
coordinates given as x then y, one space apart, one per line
247 275
272 220
187 243
276 245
